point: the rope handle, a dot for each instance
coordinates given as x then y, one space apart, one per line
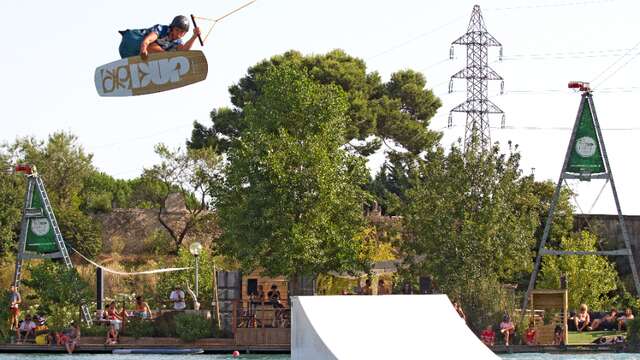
193 19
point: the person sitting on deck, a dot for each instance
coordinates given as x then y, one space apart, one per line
608 321
177 297
366 289
26 328
488 336
407 289
274 297
624 319
558 335
507 329
142 309
112 336
159 38
382 289
582 318
41 331
531 335
73 339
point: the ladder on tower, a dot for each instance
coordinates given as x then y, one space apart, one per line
35 183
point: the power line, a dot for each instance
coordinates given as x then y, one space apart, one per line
614 63
420 36
541 6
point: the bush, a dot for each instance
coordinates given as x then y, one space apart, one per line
138 328
94 330
633 334
165 325
192 326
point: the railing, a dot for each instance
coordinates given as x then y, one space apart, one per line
252 314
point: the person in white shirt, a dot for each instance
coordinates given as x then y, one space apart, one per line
26 327
177 297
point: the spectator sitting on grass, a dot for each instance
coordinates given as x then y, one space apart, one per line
26 328
507 329
112 336
582 318
531 335
608 321
488 336
623 321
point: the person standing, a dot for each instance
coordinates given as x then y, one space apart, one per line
177 297
14 306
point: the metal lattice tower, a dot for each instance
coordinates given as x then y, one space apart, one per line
477 73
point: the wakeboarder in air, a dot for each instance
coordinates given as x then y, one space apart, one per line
158 38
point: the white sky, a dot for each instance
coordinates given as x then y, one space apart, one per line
53 48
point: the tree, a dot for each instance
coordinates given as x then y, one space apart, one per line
398 110
59 290
590 278
11 201
193 174
63 165
470 220
292 202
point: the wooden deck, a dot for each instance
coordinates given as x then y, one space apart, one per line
96 345
554 349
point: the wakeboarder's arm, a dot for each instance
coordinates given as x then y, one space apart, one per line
148 40
187 46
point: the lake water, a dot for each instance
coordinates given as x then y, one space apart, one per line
286 357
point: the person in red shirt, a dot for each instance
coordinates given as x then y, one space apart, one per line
488 336
530 335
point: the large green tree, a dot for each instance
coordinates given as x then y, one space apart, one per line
398 110
470 220
292 203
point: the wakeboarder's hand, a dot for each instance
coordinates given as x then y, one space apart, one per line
144 53
196 31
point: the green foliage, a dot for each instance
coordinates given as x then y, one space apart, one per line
138 328
168 280
472 216
11 197
4 314
59 290
292 202
94 330
158 243
64 166
398 110
633 334
194 174
191 327
590 278
469 219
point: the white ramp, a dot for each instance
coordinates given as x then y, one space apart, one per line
381 327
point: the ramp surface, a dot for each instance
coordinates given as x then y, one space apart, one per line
381 327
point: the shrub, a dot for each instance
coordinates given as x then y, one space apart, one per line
165 325
192 326
94 330
633 334
138 328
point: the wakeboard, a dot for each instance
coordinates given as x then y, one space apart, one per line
159 72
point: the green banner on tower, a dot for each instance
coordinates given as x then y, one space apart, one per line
586 155
40 236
